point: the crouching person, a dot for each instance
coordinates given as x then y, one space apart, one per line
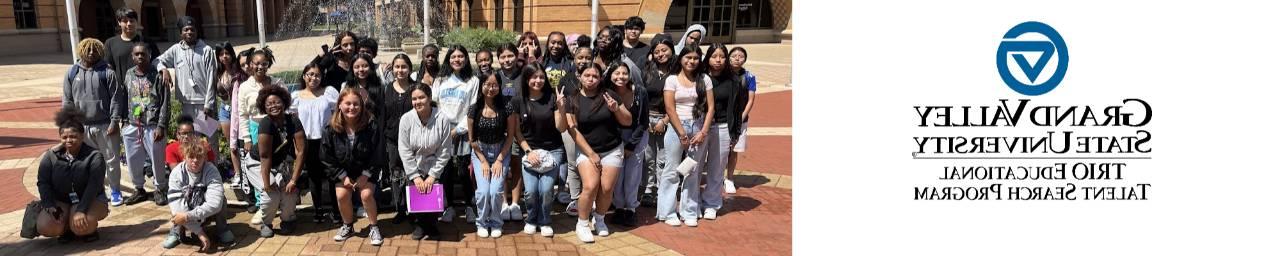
175 156
70 183
195 194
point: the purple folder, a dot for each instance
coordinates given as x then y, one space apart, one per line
419 202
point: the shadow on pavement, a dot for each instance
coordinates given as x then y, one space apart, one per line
111 236
738 204
750 181
18 142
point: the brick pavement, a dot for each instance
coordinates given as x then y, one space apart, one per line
760 212
756 221
14 199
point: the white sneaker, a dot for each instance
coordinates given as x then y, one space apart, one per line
583 228
505 213
709 213
601 228
495 233
257 217
729 188
547 231
673 222
691 222
516 212
572 210
530 228
375 236
471 215
482 232
448 215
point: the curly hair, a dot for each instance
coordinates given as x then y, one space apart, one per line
193 149
69 117
85 45
266 92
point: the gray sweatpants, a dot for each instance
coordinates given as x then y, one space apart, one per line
109 145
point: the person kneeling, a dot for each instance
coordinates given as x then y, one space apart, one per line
195 193
70 183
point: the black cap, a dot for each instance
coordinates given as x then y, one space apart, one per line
185 21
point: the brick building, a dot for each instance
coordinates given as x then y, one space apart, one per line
728 21
40 26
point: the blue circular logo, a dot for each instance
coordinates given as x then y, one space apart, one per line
1019 49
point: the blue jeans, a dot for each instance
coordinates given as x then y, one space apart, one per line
669 180
717 156
655 156
489 190
626 190
538 195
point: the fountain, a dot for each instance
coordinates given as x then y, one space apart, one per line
394 23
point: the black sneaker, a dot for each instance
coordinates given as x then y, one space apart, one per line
649 200
160 199
617 216
632 219
66 238
432 233
319 218
418 232
91 237
252 209
137 197
399 219
286 227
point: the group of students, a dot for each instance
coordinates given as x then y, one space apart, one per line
597 121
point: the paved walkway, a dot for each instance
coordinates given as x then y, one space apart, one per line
759 213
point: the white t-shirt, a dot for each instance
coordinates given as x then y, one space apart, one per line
686 97
315 112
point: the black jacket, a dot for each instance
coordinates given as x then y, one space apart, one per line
58 177
343 159
631 135
737 103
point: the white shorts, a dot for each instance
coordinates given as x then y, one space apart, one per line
742 140
613 158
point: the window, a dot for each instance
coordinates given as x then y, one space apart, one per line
677 15
24 12
754 14
497 14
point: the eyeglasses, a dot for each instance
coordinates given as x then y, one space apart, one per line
312 75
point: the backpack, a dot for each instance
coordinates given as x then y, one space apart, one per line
75 71
29 219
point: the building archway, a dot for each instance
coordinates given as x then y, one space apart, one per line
96 20
196 11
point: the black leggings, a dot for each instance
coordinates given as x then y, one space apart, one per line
457 180
322 192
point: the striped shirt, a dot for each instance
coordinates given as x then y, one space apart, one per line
424 148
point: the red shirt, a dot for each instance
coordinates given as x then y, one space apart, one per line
173 152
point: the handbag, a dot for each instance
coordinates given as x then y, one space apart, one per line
686 166
545 159
29 219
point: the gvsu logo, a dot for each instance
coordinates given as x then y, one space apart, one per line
1027 42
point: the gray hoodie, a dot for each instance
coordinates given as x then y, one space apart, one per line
182 182
194 67
96 92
